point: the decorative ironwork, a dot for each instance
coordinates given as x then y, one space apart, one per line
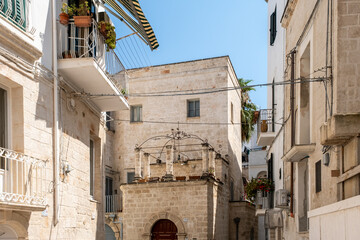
185 145
22 179
14 11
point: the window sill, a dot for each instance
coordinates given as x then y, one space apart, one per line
91 199
189 118
140 122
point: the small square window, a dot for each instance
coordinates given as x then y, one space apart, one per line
130 177
193 108
136 113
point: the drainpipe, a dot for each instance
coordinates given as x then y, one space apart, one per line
55 116
292 109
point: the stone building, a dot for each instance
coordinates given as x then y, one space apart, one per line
177 168
53 142
320 124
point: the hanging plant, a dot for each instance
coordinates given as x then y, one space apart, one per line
258 184
108 31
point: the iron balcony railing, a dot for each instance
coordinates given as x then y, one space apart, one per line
22 179
87 42
265 122
14 11
113 203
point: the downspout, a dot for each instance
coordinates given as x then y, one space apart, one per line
292 109
56 147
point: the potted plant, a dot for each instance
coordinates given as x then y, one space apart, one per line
257 186
124 92
264 126
180 178
66 13
102 28
82 17
66 54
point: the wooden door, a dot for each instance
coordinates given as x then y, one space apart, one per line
164 230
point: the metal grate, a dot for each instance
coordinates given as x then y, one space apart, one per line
14 11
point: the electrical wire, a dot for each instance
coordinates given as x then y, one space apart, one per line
188 92
128 45
136 51
179 123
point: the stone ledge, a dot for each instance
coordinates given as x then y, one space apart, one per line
15 40
340 129
336 207
298 152
288 12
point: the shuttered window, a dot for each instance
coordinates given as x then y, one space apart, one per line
193 108
318 176
136 113
273 27
3 122
14 11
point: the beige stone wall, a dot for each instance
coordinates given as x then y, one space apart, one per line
31 115
346 97
248 225
198 208
200 74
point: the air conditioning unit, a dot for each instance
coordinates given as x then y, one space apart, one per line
281 198
273 218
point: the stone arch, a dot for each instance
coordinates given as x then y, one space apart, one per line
113 227
165 215
17 228
262 174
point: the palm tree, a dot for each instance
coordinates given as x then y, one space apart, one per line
247 110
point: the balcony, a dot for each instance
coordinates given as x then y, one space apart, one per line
84 60
262 202
265 127
113 204
22 182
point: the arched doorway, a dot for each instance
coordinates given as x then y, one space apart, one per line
164 230
109 233
6 232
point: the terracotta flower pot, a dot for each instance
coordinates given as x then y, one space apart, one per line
103 30
264 126
64 18
180 178
194 177
66 54
82 21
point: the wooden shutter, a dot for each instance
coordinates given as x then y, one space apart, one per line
273 27
318 176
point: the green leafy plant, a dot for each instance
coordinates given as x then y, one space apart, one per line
248 109
110 35
123 91
82 10
258 184
67 9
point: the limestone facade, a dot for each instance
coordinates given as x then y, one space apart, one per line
320 127
174 181
26 77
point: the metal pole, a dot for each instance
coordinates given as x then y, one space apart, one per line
55 116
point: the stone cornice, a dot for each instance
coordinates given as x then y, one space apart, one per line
18 42
288 12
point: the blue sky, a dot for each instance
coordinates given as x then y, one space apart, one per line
196 29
